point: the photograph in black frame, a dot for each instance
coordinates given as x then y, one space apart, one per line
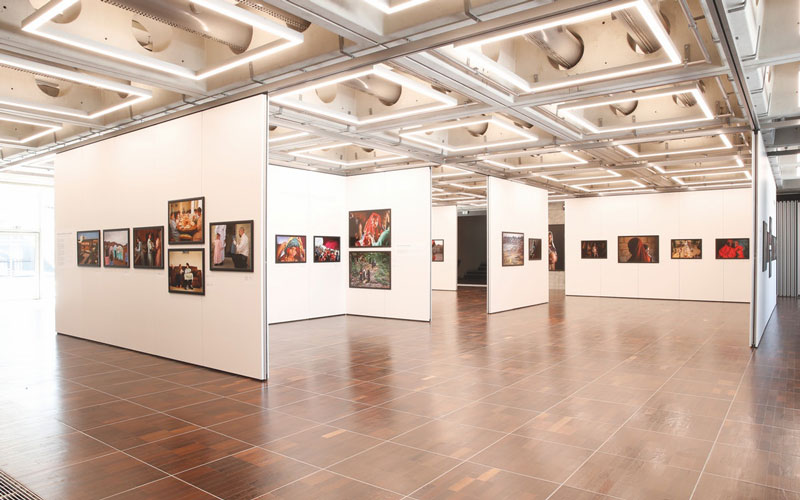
370 269
686 249
555 247
117 248
513 249
437 250
148 247
327 249
186 273
765 250
370 228
638 249
534 249
185 221
732 248
88 245
231 246
290 249
594 249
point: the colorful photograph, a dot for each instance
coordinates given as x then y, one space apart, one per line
327 249
733 248
116 248
186 221
686 249
513 249
371 270
555 247
594 249
231 246
290 249
148 247
437 250
186 271
534 249
89 248
370 228
637 249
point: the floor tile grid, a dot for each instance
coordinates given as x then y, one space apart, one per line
594 452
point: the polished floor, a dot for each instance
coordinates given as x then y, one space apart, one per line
584 398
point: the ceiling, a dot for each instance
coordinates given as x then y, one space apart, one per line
582 98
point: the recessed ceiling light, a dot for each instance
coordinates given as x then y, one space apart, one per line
725 141
576 161
304 153
415 135
680 179
386 7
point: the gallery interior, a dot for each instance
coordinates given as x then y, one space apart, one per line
399 249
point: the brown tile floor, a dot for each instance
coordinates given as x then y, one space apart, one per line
584 398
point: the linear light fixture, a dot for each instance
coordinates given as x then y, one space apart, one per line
463 186
304 153
288 98
628 191
582 188
680 178
383 5
611 175
35 24
287 137
576 161
660 169
49 128
72 76
471 48
415 135
460 173
726 145
567 111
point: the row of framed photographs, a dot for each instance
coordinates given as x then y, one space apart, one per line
230 247
645 249
291 249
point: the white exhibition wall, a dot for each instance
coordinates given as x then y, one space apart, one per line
515 207
766 288
127 181
699 214
305 203
444 226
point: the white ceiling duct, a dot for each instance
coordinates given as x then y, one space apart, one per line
640 36
563 47
624 108
388 93
478 129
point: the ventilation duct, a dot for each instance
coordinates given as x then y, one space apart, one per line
290 20
185 15
563 47
624 108
478 129
640 37
388 93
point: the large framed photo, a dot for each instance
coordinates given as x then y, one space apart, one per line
437 250
534 249
637 249
148 247
186 271
290 249
186 221
370 228
594 249
327 249
555 247
686 249
513 249
116 248
733 248
88 248
371 269
231 246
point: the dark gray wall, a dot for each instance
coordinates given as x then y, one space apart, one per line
471 242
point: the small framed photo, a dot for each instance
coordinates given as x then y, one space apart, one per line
437 250
327 249
290 249
534 249
148 247
513 249
116 248
185 221
231 246
186 271
88 248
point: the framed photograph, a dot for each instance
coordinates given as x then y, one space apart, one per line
116 247
686 249
534 249
370 228
513 249
148 247
185 221
594 249
733 248
555 247
186 272
88 248
290 249
371 269
231 246
637 249
765 248
327 249
437 250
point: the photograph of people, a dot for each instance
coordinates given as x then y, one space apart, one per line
637 249
186 271
552 252
370 228
326 249
116 248
733 248
147 251
231 246
186 221
89 248
290 249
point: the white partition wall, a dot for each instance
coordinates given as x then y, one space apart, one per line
444 226
705 215
126 182
766 289
305 203
408 194
515 207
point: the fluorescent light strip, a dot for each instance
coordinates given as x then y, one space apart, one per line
580 186
49 129
578 161
302 153
630 151
699 169
384 6
463 186
566 111
571 179
34 24
680 178
287 137
380 70
472 49
628 191
527 137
